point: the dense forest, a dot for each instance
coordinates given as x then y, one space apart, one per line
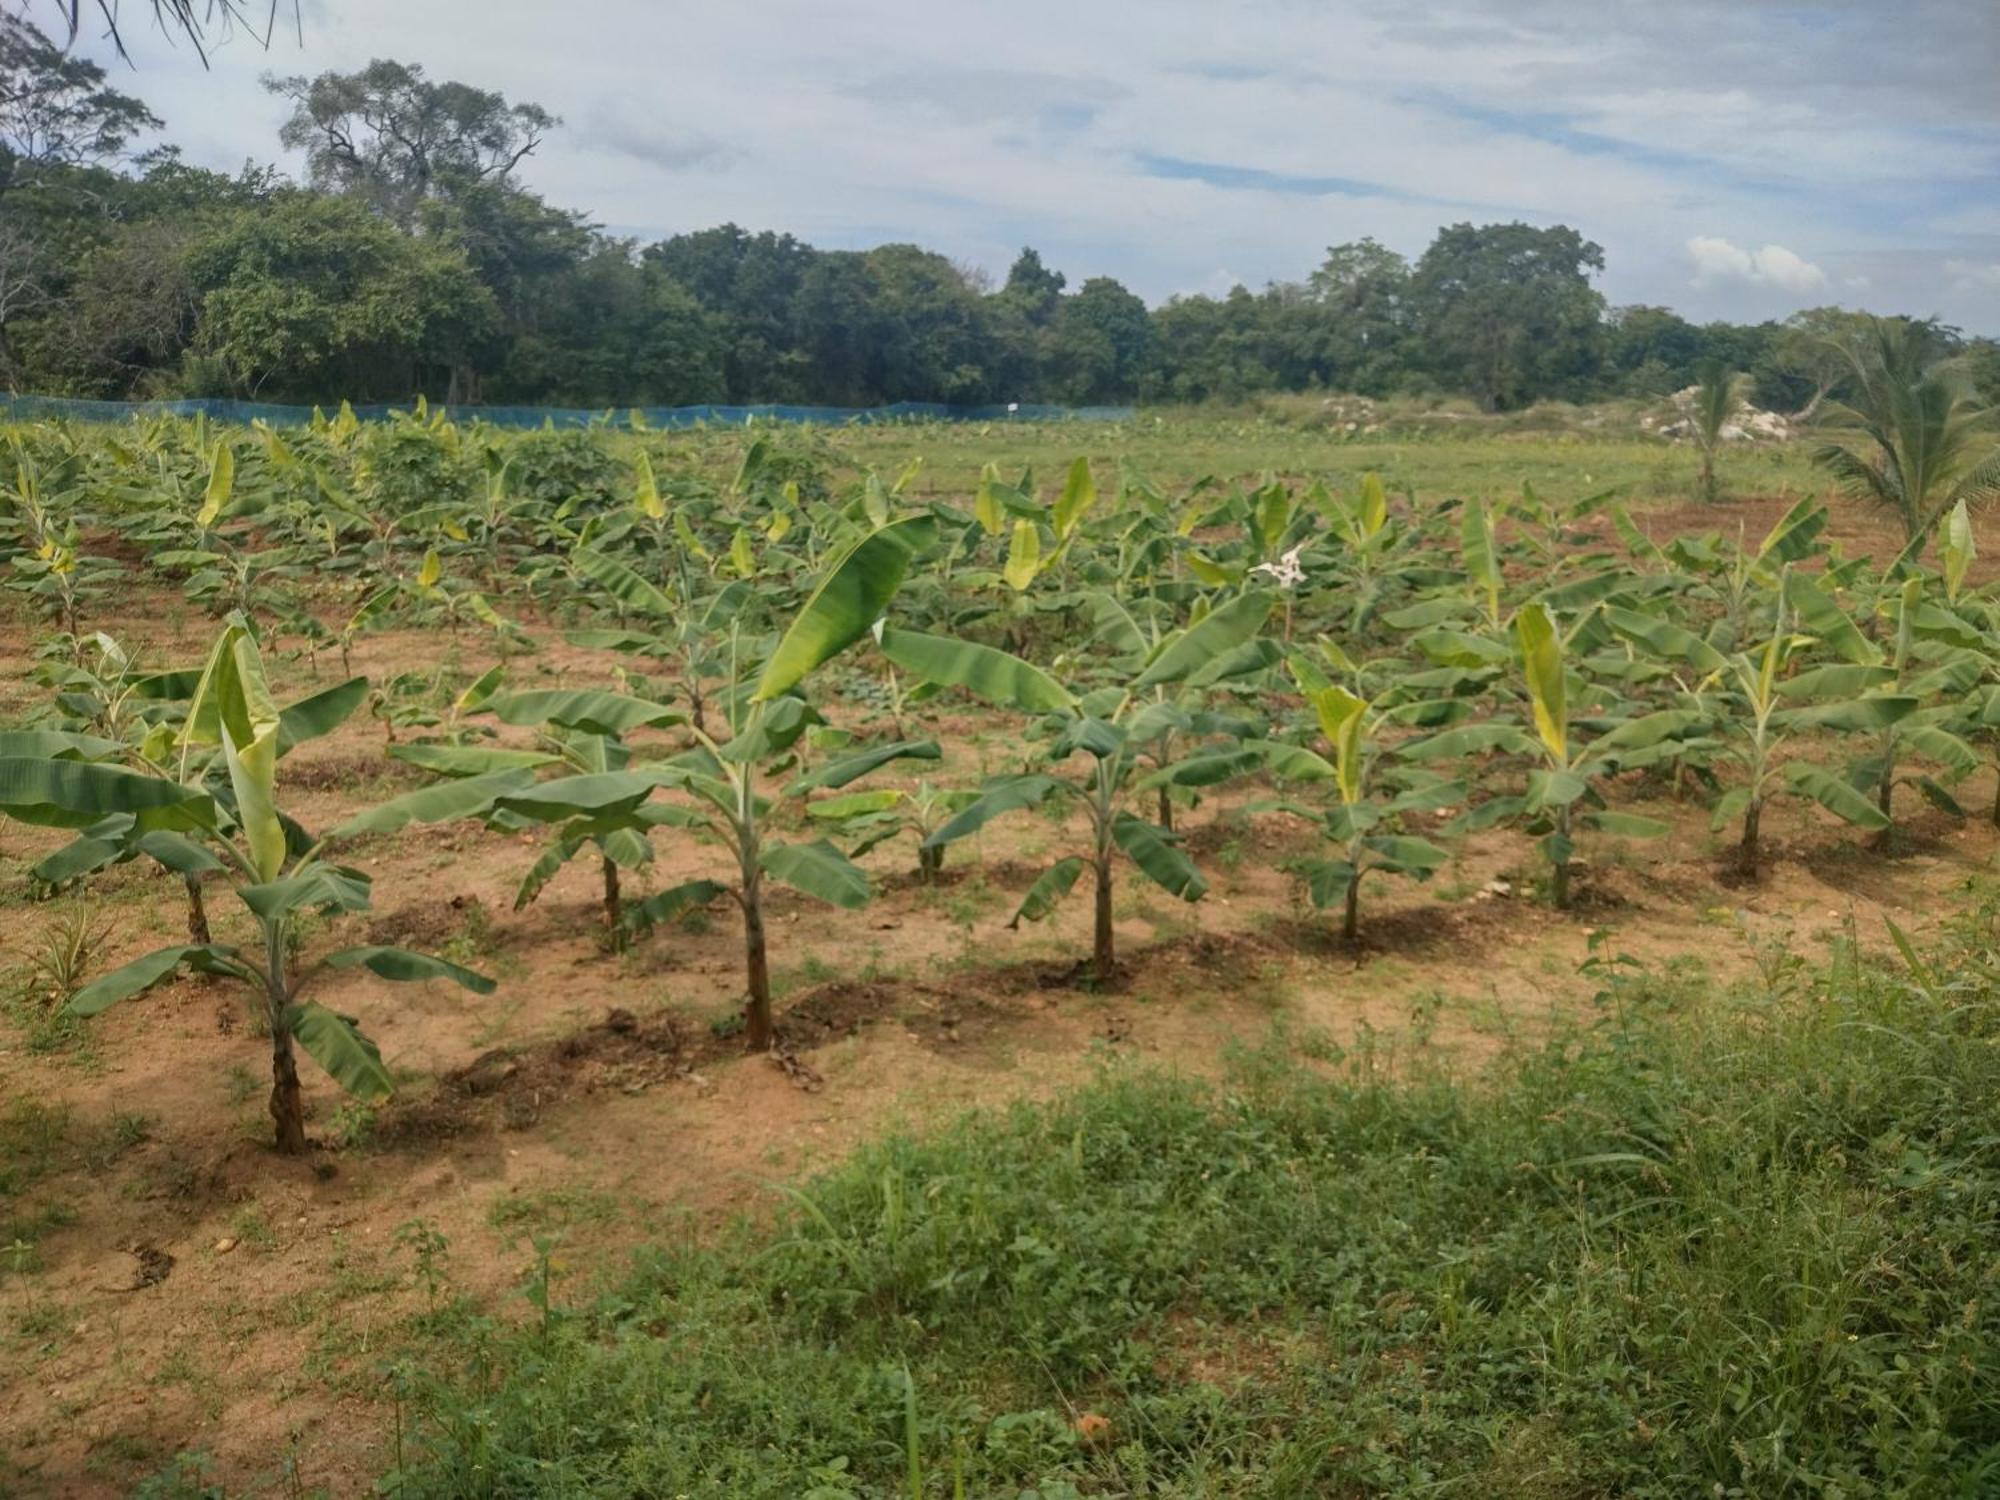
413 260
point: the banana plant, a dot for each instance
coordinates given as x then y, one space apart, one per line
142 715
874 817
1109 726
723 780
1369 801
597 797
1562 797
1747 705
236 833
1177 711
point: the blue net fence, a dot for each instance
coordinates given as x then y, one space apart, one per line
224 409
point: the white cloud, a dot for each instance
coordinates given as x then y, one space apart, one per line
1972 276
1716 259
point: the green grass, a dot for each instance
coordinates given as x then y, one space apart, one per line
1734 1245
1565 452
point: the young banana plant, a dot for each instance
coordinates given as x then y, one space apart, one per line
1746 706
135 719
596 798
1562 798
722 780
872 818
1933 656
1110 727
1363 819
234 831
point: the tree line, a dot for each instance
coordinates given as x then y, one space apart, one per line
411 260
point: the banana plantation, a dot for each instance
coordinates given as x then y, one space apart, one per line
1391 672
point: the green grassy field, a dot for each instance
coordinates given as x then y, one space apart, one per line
1732 1243
1468 456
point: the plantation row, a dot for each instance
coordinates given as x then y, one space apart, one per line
1394 674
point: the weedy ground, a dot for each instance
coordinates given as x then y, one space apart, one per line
1539 1203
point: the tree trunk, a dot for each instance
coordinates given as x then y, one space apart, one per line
1882 795
757 1028
197 911
1350 923
1104 958
1752 817
1166 810
614 906
1559 885
931 861
288 1109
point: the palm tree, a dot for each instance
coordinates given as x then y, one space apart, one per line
1719 394
1933 443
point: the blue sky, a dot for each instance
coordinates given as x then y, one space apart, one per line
1739 159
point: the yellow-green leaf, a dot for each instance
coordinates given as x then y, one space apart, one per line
1024 556
1541 658
221 480
1958 549
646 493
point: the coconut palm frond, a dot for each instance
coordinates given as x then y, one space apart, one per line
1858 477
196 20
1980 484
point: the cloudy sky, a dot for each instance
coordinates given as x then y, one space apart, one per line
1735 158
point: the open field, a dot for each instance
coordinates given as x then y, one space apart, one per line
1529 754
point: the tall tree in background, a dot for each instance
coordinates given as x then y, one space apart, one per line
1363 288
390 136
58 121
310 295
56 110
1506 312
1103 336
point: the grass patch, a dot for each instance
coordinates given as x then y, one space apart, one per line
1734 1245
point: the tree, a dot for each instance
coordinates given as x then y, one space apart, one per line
1363 288
1034 286
1103 336
1651 350
751 284
395 139
56 117
1910 436
314 296
1719 394
1506 312
55 109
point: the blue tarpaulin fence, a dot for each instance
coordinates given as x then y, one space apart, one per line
224 409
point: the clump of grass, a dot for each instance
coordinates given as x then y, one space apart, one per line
60 960
1735 1244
